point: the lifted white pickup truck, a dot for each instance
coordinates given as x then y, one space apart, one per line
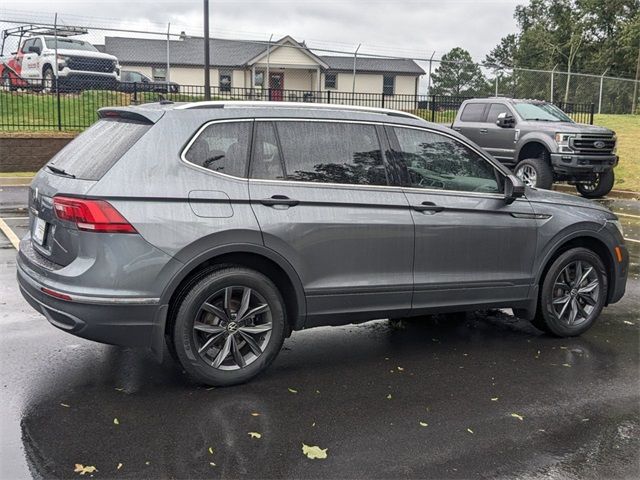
76 64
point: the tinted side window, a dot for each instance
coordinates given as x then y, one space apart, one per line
495 110
434 161
332 152
473 112
222 147
266 161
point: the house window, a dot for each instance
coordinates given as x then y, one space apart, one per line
159 74
330 80
225 81
388 84
258 80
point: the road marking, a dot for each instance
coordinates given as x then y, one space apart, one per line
15 218
13 238
627 215
631 240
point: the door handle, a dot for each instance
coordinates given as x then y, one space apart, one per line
279 200
484 130
428 207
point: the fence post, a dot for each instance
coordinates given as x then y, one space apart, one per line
328 96
135 93
382 99
600 94
593 107
553 72
55 79
432 107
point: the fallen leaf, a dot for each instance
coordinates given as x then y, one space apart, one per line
292 390
147 463
116 421
81 469
314 452
119 389
255 435
566 365
211 450
318 391
313 424
423 424
119 466
519 417
494 399
389 397
400 369
212 464
64 405
469 430
255 414
628 322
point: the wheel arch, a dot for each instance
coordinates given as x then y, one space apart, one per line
584 240
256 257
534 148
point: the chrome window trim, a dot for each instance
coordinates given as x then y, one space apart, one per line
338 185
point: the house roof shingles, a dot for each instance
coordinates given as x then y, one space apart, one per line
232 53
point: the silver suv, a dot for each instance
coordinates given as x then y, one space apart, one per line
218 228
541 143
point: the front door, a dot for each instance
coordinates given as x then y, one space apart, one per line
320 193
500 141
276 86
471 248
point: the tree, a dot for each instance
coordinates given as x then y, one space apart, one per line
458 75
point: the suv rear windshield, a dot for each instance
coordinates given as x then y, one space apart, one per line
98 148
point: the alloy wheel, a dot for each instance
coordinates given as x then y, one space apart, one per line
576 291
232 328
528 175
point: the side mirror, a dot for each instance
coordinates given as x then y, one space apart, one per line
505 121
34 49
513 188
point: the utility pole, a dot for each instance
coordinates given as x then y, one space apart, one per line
634 103
207 80
429 77
600 94
168 74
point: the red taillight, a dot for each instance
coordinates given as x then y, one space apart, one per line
91 215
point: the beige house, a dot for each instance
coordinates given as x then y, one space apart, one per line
289 69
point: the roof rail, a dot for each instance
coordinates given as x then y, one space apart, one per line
269 104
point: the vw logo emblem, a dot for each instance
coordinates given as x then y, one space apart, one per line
232 327
599 144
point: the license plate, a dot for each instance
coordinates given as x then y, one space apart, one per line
39 231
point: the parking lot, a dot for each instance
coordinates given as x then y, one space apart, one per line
478 395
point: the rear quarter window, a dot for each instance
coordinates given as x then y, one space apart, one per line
473 112
92 153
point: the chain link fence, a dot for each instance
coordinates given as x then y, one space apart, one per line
56 74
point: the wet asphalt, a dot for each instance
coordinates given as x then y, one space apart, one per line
470 396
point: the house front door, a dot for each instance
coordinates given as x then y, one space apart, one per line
276 86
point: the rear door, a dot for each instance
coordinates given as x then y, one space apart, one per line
471 122
499 142
320 192
471 247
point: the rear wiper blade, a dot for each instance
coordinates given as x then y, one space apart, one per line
60 171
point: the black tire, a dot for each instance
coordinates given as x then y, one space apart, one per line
48 79
186 339
559 323
542 170
603 185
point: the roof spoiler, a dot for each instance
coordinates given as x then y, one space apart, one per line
138 114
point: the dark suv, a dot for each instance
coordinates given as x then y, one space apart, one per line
221 227
541 143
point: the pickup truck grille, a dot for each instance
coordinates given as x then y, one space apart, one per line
87 64
594 144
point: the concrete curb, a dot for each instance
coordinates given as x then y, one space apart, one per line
15 181
626 194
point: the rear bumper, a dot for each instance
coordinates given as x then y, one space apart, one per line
571 164
121 321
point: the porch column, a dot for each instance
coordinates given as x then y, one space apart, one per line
318 79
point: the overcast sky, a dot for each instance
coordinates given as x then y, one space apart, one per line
403 27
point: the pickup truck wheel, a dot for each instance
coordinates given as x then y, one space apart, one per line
599 187
535 172
48 80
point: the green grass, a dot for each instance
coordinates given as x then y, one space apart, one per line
627 128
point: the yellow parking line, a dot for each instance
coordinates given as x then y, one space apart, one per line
627 215
13 238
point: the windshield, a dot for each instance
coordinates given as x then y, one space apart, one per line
68 44
541 112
